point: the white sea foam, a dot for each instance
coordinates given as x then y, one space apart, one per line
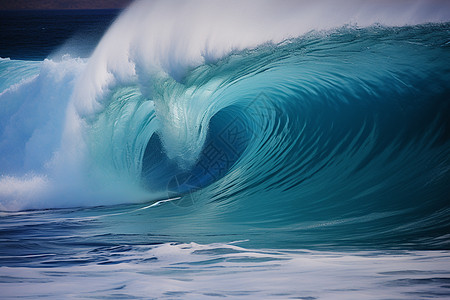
170 36
193 271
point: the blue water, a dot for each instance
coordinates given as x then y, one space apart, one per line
266 156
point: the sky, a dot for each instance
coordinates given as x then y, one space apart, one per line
62 4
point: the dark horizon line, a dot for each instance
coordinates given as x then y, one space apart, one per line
60 9
63 4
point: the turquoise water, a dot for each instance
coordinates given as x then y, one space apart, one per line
292 159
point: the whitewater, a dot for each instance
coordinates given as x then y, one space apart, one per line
242 149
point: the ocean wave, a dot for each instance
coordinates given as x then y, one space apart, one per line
296 126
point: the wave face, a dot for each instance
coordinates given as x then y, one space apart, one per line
299 131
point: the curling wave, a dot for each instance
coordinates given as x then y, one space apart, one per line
283 127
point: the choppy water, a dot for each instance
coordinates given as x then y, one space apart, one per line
121 252
199 152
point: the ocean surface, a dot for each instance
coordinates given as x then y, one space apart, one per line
249 150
